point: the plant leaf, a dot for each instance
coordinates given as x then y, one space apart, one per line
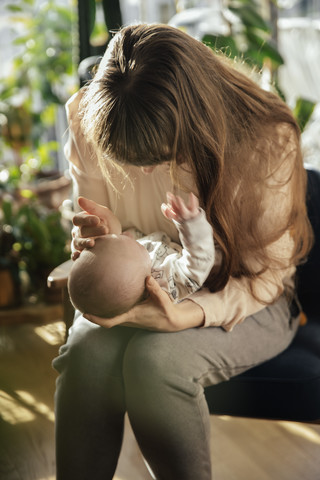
7 212
250 17
264 49
92 15
226 44
303 111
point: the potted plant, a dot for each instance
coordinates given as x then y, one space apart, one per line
33 233
33 240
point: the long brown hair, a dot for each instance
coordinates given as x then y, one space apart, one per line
161 95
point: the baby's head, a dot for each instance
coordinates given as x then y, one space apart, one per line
109 278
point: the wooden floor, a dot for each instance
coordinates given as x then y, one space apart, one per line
241 449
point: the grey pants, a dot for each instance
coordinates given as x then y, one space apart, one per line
158 378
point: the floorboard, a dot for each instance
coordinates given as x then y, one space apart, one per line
242 449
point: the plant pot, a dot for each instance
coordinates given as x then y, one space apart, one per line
46 294
53 189
10 295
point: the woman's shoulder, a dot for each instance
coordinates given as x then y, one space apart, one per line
73 106
78 150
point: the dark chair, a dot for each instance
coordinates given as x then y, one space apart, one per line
288 386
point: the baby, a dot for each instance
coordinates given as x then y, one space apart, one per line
109 279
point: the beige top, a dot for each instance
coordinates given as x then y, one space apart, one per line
137 201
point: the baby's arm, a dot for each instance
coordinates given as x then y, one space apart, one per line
186 272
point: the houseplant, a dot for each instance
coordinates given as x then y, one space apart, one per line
33 236
33 240
253 39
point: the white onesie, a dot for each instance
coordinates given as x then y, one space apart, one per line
182 269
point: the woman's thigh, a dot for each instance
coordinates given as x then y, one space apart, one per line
207 356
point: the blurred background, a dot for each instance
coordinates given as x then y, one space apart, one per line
47 51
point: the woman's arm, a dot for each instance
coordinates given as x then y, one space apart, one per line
157 313
235 302
92 218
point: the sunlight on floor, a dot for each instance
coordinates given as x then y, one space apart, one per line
38 407
53 334
301 430
12 412
226 418
21 407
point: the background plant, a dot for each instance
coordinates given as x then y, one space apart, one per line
38 237
32 235
253 39
42 78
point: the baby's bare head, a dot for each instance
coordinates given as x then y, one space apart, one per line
109 278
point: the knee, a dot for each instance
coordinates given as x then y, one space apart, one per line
151 362
80 350
90 349
145 358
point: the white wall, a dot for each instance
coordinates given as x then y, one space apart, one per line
147 10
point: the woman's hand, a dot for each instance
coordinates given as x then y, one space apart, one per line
157 313
95 220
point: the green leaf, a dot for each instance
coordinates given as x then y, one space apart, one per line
226 44
20 41
279 91
48 115
14 8
264 49
303 111
250 17
7 212
44 153
92 15
14 172
27 193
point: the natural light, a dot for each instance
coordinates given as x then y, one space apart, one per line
22 407
302 430
51 333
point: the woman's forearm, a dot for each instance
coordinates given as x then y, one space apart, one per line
191 314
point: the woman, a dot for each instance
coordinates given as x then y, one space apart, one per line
164 112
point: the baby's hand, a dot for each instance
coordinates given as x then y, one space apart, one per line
177 210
